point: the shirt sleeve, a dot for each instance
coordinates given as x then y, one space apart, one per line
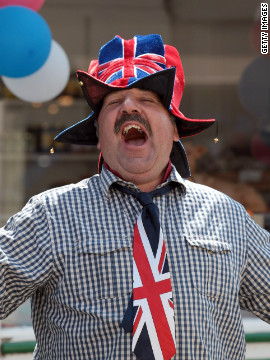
25 256
254 295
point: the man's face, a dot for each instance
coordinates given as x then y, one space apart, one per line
136 135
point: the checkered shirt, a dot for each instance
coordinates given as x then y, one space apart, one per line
70 248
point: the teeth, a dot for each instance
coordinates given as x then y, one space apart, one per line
128 127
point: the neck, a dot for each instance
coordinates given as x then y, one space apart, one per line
150 185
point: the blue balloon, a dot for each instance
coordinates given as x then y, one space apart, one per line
25 41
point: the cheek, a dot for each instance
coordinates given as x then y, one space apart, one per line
167 132
105 129
107 143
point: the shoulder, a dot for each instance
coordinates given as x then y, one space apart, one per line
206 196
71 193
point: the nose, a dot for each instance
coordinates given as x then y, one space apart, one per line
130 105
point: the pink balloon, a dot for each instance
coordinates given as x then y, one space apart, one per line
31 4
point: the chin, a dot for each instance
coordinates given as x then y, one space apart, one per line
136 166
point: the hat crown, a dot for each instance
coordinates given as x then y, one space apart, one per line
122 62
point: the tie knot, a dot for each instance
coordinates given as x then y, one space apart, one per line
144 198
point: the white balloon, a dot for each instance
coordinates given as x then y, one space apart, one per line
46 83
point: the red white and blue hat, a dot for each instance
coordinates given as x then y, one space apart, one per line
143 62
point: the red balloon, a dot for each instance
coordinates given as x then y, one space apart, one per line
31 4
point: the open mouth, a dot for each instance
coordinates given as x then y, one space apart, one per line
134 135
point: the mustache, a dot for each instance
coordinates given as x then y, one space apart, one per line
131 117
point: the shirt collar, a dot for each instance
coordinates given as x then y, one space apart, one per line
108 178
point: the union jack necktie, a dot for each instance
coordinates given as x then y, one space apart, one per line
150 311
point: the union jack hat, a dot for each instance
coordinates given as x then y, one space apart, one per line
143 62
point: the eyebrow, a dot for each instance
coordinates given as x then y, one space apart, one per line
112 95
120 94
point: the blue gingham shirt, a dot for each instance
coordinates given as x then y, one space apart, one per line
70 248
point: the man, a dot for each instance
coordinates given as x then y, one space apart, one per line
107 282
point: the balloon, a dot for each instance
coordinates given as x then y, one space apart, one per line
46 83
254 87
259 149
25 41
31 4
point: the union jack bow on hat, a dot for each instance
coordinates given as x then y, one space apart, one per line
143 62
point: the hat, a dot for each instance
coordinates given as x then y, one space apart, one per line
143 62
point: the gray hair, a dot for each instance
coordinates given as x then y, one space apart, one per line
173 119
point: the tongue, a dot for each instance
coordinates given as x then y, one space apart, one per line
135 137
136 142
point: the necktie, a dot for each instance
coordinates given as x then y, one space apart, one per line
150 310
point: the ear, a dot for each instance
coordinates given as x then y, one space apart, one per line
176 136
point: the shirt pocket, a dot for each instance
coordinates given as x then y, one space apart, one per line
104 268
211 266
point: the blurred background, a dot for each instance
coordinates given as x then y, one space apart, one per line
227 78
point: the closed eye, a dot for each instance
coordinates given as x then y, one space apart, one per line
148 100
114 101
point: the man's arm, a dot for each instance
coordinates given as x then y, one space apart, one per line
25 256
254 294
